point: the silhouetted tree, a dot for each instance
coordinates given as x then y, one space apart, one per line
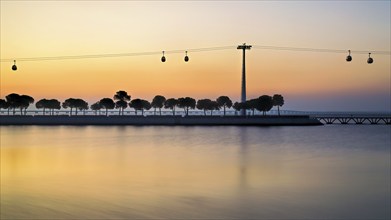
278 100
77 104
25 103
50 104
96 107
81 105
207 104
4 105
41 105
158 102
146 106
186 103
202 104
171 103
265 103
54 104
213 105
251 104
123 99
69 103
107 103
19 101
137 104
121 105
140 104
237 106
225 102
13 100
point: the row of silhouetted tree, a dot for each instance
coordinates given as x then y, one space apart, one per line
121 100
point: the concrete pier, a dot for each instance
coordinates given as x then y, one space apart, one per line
160 120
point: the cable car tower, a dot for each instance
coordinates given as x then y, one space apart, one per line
244 47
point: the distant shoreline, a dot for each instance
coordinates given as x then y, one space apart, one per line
296 120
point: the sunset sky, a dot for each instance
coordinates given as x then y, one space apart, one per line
307 80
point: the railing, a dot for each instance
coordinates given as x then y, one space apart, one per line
164 112
325 117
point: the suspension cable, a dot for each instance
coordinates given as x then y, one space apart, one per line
194 50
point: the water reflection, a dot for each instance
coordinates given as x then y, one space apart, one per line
243 159
195 172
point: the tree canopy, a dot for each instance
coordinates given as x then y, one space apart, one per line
4 104
265 103
203 104
19 101
50 104
75 103
278 100
121 105
96 107
122 95
107 103
207 104
237 106
158 102
171 103
122 98
251 104
186 103
225 102
140 104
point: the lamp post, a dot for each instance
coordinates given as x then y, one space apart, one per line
244 47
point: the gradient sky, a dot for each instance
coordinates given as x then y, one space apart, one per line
307 80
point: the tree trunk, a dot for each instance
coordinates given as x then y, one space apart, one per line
204 112
71 111
107 111
224 110
154 111
119 111
211 112
142 112
160 111
278 107
173 111
43 111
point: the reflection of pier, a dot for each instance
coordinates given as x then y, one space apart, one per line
353 119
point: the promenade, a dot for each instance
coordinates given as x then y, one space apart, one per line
299 120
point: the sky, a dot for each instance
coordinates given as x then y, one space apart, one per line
309 81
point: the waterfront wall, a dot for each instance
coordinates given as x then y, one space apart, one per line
158 120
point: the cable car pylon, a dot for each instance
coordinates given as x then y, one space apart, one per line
244 47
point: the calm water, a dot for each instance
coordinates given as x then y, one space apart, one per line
326 172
